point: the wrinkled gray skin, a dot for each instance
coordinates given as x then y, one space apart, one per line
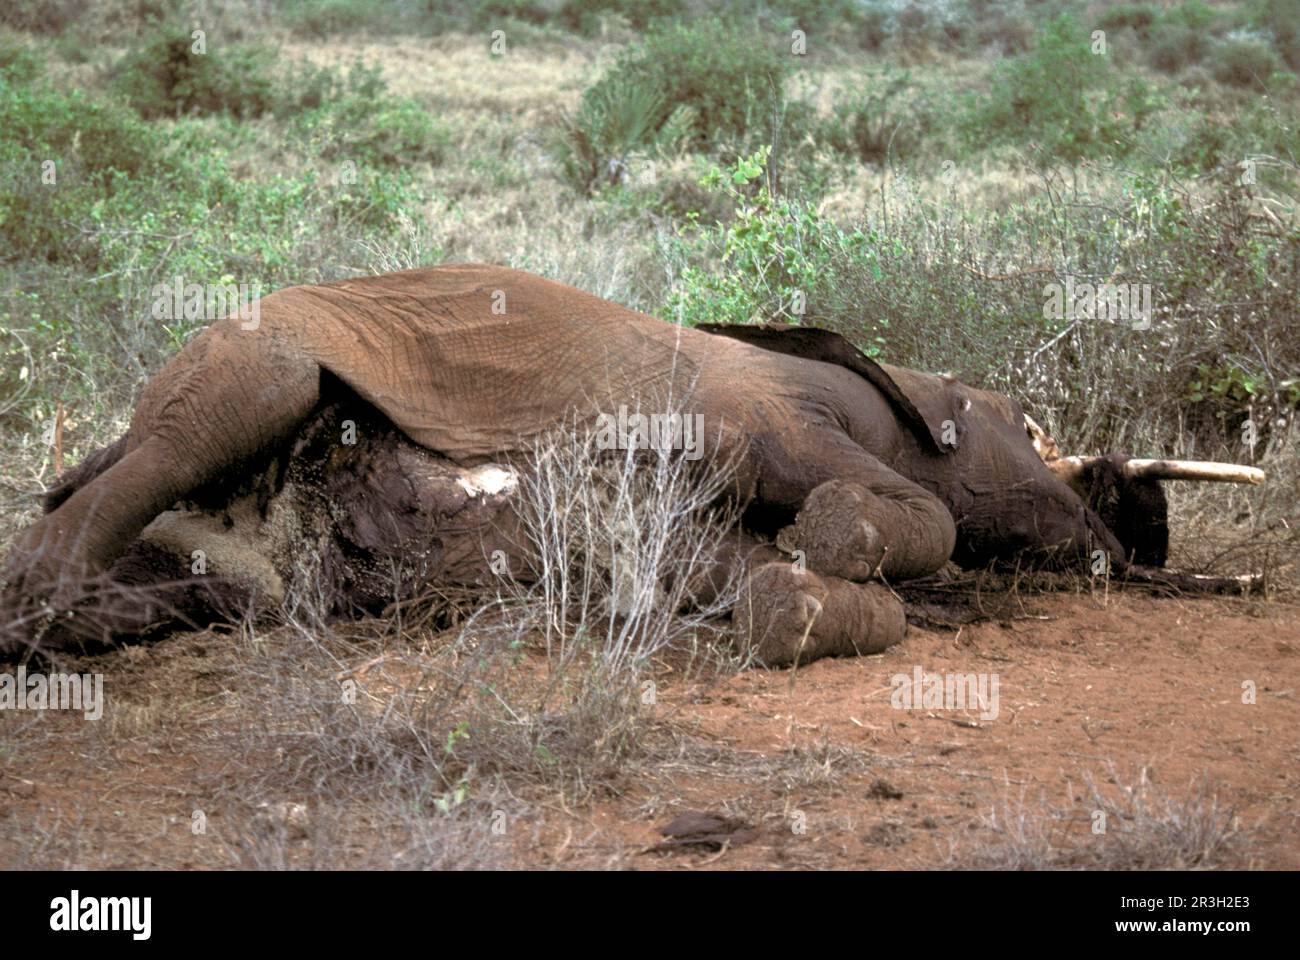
865 471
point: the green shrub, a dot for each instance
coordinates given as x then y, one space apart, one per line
168 76
775 261
1008 34
536 12
818 18
327 18
886 122
585 15
1245 63
1259 126
728 77
1179 47
907 287
1282 19
873 31
41 16
1062 96
1138 17
352 116
18 61
616 121
1194 15
135 203
93 147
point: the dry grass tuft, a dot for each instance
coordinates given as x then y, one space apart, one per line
1131 824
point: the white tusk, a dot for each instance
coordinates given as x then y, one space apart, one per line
1192 470
1069 468
1044 445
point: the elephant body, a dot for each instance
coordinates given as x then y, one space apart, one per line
870 470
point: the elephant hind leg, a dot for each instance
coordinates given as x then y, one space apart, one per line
787 616
93 526
74 478
219 404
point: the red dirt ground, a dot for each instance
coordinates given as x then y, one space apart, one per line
828 773
1135 683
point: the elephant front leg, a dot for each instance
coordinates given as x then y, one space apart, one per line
790 616
848 530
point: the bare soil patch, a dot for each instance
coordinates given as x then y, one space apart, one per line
815 769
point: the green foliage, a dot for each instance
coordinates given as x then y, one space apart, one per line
1258 126
41 16
817 17
18 61
1232 384
774 261
91 148
1178 47
686 85
1068 100
903 287
616 122
728 77
1194 15
133 203
353 117
173 74
1138 17
887 121
1282 19
585 16
326 18
1245 63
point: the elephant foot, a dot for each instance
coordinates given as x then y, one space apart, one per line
834 535
787 616
41 582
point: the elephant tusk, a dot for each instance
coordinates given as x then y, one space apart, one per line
1044 445
1193 470
1069 468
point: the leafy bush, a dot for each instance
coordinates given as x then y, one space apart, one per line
41 16
17 60
174 73
353 116
1245 63
1195 15
93 147
909 287
819 17
1179 47
1282 19
1259 126
775 261
1138 17
728 77
585 15
617 121
1061 95
888 120
1008 34
326 18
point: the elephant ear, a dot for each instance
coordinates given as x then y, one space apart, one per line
928 404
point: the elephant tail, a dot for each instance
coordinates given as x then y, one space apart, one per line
74 478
